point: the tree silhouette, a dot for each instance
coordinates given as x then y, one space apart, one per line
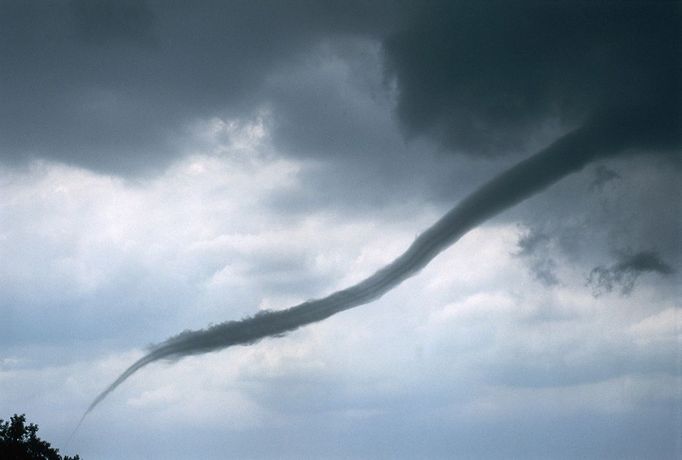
18 441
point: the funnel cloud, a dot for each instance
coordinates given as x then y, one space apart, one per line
567 155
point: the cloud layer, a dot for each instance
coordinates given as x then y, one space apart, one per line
167 166
487 78
113 86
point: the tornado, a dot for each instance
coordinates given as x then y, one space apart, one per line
601 137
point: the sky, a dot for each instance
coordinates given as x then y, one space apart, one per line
170 166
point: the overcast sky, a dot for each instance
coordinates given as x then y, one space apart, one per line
165 166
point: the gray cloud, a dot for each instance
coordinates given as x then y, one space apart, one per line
113 86
533 247
624 273
486 77
602 176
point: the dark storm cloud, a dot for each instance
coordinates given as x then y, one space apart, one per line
113 85
491 78
624 273
484 77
